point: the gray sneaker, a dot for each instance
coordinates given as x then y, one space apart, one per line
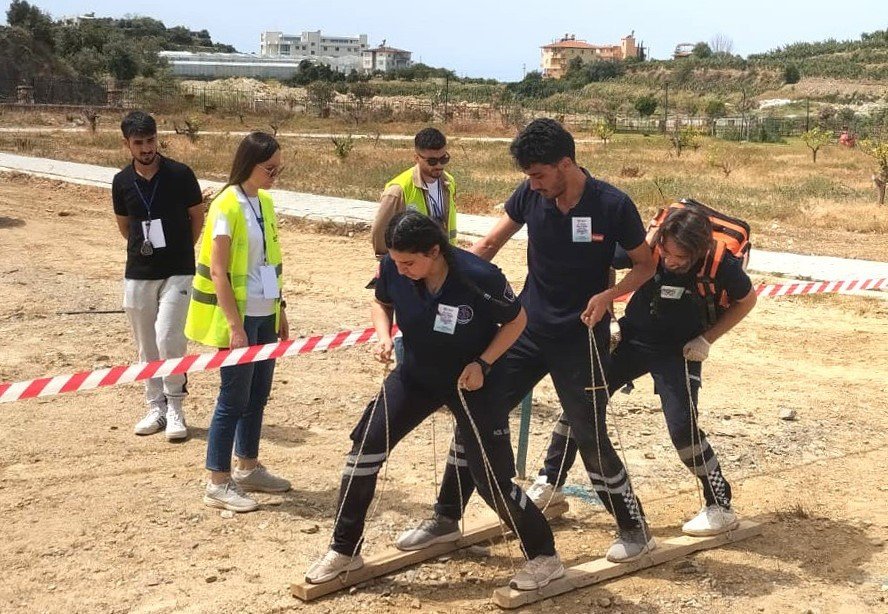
228 496
259 479
435 530
631 544
538 572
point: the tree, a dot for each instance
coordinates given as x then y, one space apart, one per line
604 131
646 105
721 44
878 151
714 108
320 95
702 51
28 17
791 74
815 138
122 63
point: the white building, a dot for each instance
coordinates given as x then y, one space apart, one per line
310 44
222 65
385 59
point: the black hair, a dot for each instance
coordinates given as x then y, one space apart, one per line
413 232
256 148
430 138
690 228
543 141
138 123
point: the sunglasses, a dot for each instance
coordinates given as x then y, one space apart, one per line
442 161
273 171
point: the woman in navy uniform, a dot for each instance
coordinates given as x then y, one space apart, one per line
458 315
666 332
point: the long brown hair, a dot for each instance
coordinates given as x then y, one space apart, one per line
256 148
690 228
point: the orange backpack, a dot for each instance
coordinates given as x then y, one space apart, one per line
728 234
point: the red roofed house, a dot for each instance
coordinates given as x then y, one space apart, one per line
556 56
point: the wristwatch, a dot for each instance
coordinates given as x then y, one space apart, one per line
485 366
283 304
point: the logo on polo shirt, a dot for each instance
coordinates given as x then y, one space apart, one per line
508 293
465 314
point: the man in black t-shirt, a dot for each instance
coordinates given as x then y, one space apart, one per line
666 332
573 223
159 210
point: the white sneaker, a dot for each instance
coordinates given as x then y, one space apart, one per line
538 572
331 565
154 421
259 479
712 520
542 493
435 530
175 420
228 496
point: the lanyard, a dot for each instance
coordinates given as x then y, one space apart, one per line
148 203
437 205
259 220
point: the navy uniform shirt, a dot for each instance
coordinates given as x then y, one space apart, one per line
481 299
569 255
679 314
177 190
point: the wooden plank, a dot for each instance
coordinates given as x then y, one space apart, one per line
393 559
601 569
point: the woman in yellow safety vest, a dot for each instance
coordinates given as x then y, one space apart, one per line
236 302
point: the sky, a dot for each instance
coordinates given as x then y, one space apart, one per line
501 39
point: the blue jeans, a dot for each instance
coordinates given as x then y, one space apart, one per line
237 419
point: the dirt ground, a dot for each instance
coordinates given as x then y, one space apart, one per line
96 519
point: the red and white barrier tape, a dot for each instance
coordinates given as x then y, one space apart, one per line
88 380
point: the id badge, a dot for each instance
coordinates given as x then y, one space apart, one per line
672 292
582 229
445 321
154 234
269 281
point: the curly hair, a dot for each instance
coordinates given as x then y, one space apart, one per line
543 141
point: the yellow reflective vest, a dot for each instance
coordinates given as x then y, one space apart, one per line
415 197
206 321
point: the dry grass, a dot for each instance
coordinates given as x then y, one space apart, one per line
788 200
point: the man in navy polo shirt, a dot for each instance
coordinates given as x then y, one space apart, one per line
573 223
159 210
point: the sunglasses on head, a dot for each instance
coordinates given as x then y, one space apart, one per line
274 171
442 161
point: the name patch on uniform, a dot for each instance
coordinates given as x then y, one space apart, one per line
445 321
672 292
464 314
582 229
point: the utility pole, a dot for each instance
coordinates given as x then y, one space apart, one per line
666 108
807 114
446 95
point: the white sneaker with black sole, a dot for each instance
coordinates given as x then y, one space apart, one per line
153 422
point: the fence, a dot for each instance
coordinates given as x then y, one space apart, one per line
433 104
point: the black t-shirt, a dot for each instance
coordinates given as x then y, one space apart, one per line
569 255
669 311
175 189
444 332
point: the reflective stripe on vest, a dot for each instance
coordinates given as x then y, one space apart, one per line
206 322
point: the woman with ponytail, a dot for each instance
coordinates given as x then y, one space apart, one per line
458 315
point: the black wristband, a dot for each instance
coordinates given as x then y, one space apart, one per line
283 304
485 366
